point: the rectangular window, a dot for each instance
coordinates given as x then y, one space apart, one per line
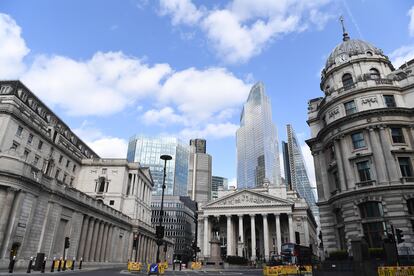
30 139
111 202
397 135
71 181
64 178
15 145
374 233
67 163
74 168
57 173
19 131
336 180
363 171
60 159
358 140
26 154
36 160
405 166
350 107
40 145
389 101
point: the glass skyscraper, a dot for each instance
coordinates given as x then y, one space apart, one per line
257 143
295 170
147 151
216 182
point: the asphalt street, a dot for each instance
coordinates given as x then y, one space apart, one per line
120 272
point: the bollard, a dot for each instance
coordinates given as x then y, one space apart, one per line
80 263
42 270
29 267
73 264
59 264
180 265
11 264
64 265
52 269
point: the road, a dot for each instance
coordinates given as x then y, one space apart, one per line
119 272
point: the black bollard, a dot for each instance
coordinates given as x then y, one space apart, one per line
29 267
80 263
52 269
42 270
180 265
73 264
11 264
64 265
59 264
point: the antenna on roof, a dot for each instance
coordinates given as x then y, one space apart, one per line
344 33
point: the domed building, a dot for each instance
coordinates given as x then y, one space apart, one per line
362 141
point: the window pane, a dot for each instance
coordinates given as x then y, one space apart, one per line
358 140
405 166
364 171
389 100
374 73
347 81
371 209
397 135
374 233
410 205
350 107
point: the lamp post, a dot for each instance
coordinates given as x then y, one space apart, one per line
159 230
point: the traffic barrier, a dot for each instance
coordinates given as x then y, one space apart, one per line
396 271
134 266
195 265
286 270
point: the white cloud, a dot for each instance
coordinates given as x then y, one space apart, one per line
181 11
105 146
214 131
401 55
162 117
12 48
243 28
201 94
102 85
411 24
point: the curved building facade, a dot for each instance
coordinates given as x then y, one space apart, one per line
363 146
257 143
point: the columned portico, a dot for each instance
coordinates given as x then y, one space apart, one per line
253 233
291 234
229 236
278 234
240 243
266 236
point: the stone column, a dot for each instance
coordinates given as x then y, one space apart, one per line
139 248
278 234
94 240
390 162
349 171
206 241
378 157
291 234
341 172
82 239
321 175
104 241
88 244
253 237
241 235
229 236
6 219
99 242
266 236
306 229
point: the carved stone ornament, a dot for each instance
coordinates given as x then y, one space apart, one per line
333 112
247 199
369 101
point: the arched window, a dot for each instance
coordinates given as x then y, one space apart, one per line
374 73
374 231
369 54
101 185
347 81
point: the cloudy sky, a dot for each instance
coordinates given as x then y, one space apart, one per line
111 69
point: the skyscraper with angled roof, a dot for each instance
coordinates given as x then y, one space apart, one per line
257 143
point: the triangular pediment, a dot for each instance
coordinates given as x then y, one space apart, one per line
248 198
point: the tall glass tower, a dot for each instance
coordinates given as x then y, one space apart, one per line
147 151
257 143
296 175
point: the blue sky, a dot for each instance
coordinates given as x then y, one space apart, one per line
111 69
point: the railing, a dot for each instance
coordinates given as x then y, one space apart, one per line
407 179
365 183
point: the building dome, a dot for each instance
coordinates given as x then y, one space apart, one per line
348 48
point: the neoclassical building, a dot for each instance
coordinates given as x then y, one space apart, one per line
126 187
254 223
362 141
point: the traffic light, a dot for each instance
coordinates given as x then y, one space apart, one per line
159 232
135 243
67 242
400 235
320 238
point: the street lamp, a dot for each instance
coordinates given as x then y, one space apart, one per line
159 230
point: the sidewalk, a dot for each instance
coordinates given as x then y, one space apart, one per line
86 267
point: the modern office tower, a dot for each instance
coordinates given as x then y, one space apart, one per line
147 151
257 143
199 172
295 171
363 147
216 182
179 221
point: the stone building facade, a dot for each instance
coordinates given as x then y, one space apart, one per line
362 141
127 187
40 160
254 223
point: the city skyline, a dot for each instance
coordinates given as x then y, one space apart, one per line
51 48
